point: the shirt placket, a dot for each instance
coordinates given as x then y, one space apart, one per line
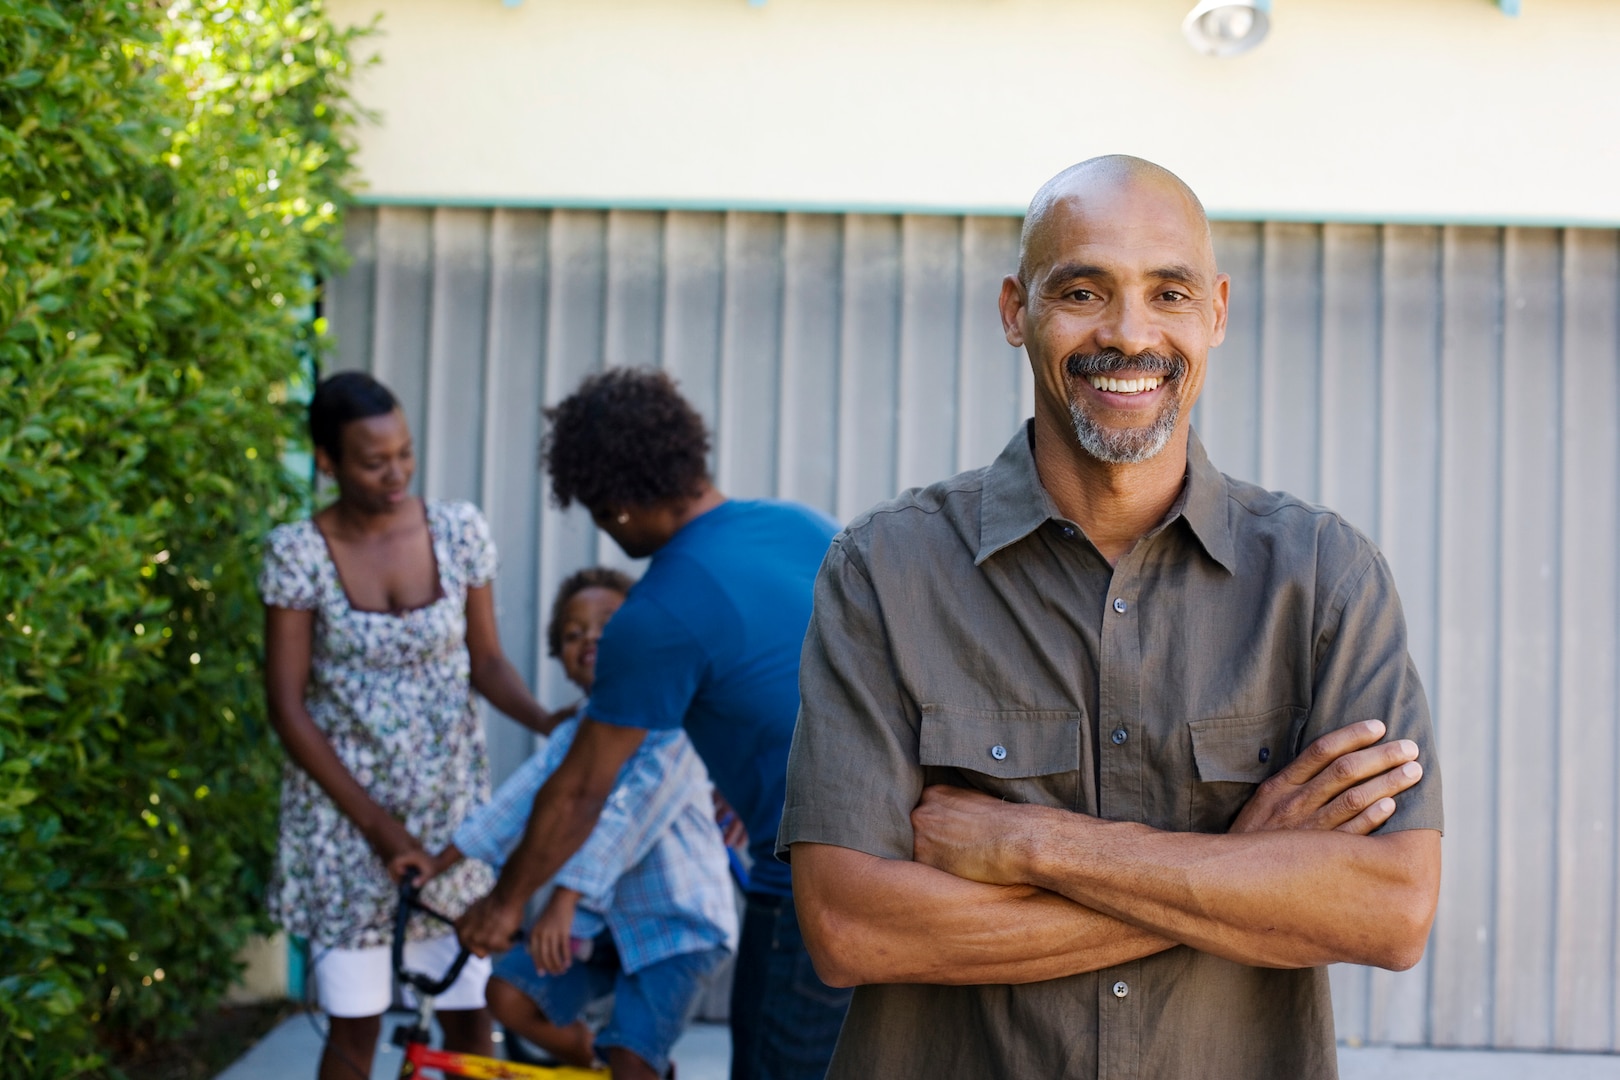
1119 798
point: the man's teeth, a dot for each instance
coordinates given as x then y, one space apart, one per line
1125 386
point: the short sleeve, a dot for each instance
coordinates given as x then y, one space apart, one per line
479 561
287 579
1364 671
854 772
648 668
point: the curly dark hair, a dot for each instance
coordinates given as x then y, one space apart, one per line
625 438
592 577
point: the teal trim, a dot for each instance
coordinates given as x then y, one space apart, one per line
297 967
792 207
1528 221
1509 7
766 206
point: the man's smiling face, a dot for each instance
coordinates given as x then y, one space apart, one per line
1118 306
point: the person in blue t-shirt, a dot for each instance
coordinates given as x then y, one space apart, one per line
708 640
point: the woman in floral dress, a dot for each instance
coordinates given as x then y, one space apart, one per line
380 622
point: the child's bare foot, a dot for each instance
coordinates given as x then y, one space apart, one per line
574 1045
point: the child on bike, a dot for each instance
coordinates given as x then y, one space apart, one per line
644 910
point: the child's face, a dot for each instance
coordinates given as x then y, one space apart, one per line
586 612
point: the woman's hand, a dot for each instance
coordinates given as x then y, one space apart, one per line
390 840
425 866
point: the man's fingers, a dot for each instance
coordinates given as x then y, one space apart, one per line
1328 749
1341 791
1360 804
1359 767
1370 819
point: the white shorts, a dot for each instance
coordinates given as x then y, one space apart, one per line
359 982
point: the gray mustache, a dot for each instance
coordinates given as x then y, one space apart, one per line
1110 361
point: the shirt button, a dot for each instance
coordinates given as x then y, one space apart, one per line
1067 531
1265 754
1120 606
999 753
1120 989
1120 736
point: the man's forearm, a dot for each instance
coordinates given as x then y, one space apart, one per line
1278 899
872 920
562 819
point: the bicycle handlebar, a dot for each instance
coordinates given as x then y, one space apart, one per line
408 902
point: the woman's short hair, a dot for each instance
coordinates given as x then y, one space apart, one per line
592 577
625 438
340 398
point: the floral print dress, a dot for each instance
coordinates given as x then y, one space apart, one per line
391 692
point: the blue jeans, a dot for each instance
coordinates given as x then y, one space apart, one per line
784 1020
650 1007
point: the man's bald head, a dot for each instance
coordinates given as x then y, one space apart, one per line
1093 179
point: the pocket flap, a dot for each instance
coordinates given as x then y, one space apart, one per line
1008 744
1244 749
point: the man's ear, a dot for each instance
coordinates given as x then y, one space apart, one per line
1223 284
1013 302
324 462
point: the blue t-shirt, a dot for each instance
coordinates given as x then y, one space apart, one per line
709 638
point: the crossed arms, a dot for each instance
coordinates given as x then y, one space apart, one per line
1008 893
999 892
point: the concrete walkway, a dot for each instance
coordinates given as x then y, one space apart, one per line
290 1052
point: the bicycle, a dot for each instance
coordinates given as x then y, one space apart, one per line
414 1039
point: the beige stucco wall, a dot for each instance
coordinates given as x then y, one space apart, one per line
1435 110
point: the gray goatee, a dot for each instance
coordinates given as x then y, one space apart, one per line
1128 446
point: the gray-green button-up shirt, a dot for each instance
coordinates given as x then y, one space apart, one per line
965 633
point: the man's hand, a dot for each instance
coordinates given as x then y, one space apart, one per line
1346 780
969 834
489 926
551 941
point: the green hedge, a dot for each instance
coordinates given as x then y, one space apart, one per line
171 180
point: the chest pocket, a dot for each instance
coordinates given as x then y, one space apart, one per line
1231 756
1024 756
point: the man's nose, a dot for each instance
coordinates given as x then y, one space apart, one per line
1129 326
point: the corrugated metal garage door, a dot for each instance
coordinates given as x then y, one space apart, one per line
1453 391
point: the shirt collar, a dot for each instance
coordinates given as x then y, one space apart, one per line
1205 508
1014 504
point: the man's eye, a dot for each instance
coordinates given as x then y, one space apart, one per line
1173 295
1082 294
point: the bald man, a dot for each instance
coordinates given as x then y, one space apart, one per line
1103 755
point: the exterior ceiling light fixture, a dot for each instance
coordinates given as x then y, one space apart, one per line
1227 27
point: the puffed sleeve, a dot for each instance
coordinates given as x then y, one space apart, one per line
287 579
478 558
